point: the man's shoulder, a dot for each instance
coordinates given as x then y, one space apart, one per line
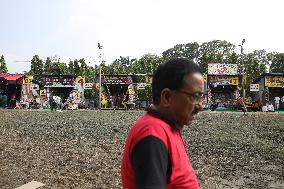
150 121
150 125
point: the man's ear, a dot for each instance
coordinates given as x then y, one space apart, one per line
166 95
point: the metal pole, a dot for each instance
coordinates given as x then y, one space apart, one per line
100 67
243 68
100 90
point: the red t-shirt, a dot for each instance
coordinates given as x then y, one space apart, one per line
156 154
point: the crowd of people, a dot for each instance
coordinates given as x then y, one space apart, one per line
53 103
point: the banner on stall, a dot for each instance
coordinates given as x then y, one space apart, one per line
131 91
59 81
88 85
222 69
254 87
80 80
141 86
274 81
97 86
28 80
223 80
42 92
148 79
117 79
205 78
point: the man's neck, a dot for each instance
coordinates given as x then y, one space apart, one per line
164 115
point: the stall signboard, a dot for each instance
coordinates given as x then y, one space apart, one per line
274 81
148 79
141 86
205 78
80 80
97 85
223 80
42 92
117 79
222 69
254 87
59 81
131 91
35 86
28 80
88 85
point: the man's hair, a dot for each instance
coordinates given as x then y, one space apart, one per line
171 75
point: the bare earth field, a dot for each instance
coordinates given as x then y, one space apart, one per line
82 149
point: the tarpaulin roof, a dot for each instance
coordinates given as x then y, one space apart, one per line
11 77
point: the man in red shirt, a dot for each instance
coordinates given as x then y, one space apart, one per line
155 155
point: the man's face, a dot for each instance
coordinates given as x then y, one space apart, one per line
187 102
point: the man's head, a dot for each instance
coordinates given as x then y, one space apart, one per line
177 89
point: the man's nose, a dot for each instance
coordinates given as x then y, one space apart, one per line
199 106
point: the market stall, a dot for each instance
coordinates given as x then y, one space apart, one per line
117 90
10 89
223 81
270 86
67 87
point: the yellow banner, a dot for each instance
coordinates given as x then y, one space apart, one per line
42 92
205 78
98 86
235 80
131 91
28 80
80 80
274 81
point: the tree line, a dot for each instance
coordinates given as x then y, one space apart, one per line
216 51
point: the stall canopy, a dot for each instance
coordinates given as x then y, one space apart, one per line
11 77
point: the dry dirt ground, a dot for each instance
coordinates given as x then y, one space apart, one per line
82 149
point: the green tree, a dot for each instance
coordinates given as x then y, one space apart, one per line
217 51
76 67
55 67
83 67
145 94
61 67
277 63
3 67
255 64
105 69
233 58
48 66
123 65
146 64
71 67
189 50
37 68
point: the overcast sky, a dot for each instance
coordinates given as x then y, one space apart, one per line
72 28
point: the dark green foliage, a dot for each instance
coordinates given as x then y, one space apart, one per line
3 67
146 94
277 63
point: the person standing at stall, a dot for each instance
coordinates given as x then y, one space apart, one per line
282 102
51 102
4 101
277 102
155 155
13 101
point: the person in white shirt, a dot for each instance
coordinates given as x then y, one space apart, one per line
264 108
277 102
270 107
282 100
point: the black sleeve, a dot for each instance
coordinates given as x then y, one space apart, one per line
150 161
